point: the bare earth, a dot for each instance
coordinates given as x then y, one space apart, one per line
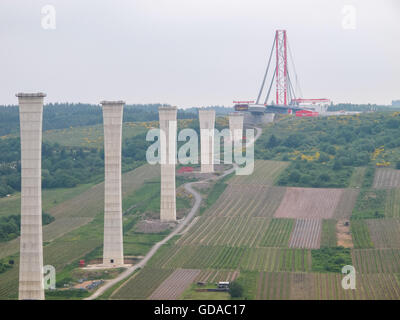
343 234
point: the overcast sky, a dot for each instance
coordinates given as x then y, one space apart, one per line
196 52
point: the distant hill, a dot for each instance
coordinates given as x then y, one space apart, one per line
361 107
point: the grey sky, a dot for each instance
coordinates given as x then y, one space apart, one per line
196 52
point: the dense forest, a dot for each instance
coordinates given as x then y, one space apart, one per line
10 226
361 107
65 115
324 151
65 166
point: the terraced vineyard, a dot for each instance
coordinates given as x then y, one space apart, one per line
212 275
392 204
247 200
386 178
385 233
265 173
278 233
232 231
346 204
360 233
328 233
273 286
376 260
142 284
172 287
309 203
306 234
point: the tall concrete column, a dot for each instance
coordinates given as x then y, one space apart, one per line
236 126
113 253
168 126
31 285
207 123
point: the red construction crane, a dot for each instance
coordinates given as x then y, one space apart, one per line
285 92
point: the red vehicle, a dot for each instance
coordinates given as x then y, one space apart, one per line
185 169
306 113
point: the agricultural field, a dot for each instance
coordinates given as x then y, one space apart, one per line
384 233
306 234
368 287
360 234
231 231
392 203
376 260
386 178
141 285
173 287
265 173
228 258
301 286
278 233
308 203
346 204
370 204
247 200
212 275
328 233
273 286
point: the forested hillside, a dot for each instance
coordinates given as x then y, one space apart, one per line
324 151
65 115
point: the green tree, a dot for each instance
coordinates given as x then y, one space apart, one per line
235 290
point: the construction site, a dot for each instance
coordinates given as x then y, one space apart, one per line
280 90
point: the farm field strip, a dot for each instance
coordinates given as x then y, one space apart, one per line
385 233
306 234
141 284
302 286
257 201
308 203
278 233
222 257
328 233
328 287
386 178
346 204
368 287
265 173
173 287
392 204
360 234
273 286
376 260
213 275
